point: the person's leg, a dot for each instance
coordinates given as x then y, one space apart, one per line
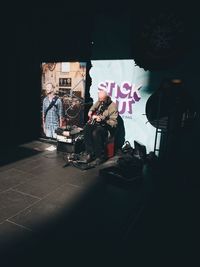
48 131
100 135
53 129
88 138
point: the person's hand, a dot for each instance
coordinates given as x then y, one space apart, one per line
94 117
90 114
98 118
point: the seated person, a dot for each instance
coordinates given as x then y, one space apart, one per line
102 123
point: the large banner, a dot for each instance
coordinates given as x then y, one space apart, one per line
64 82
127 85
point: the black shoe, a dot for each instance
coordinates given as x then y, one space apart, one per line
86 158
99 161
89 158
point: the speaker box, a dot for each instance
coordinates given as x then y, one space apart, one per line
74 147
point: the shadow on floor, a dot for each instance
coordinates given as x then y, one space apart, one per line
11 155
93 230
109 224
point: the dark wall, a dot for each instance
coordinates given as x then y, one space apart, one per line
32 37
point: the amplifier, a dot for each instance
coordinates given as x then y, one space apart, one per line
64 139
71 146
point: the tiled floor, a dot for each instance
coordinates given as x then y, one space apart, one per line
56 216
39 196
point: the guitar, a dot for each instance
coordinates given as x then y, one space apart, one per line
97 112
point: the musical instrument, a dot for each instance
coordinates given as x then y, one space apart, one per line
97 112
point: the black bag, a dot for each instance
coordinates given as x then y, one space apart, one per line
127 148
128 169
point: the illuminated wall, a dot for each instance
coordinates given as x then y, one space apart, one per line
127 85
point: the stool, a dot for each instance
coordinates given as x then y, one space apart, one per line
110 147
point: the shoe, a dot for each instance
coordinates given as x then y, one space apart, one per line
99 161
86 158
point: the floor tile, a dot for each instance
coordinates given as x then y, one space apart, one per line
13 177
43 184
12 202
10 231
50 208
